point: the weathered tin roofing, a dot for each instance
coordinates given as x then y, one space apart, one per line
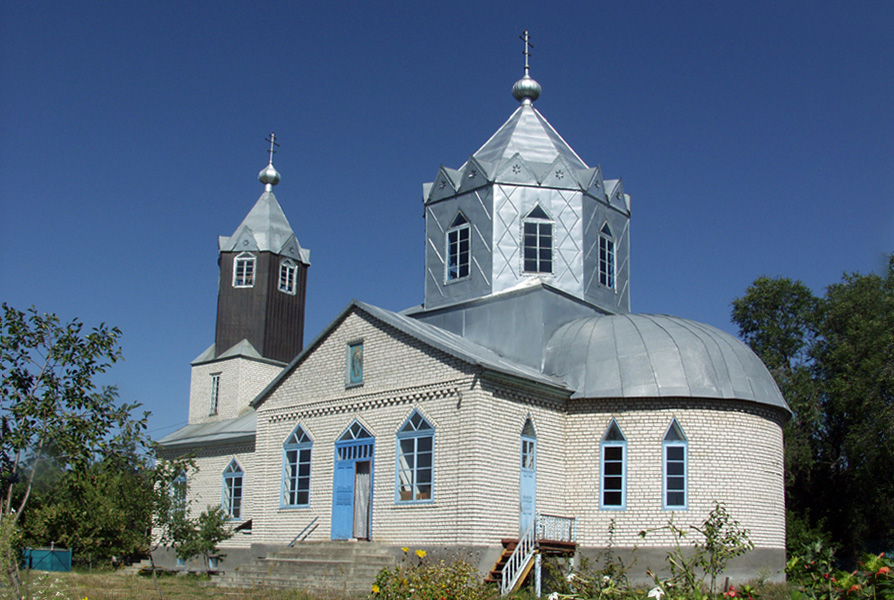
265 229
637 355
230 430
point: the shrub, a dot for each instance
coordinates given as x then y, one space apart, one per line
417 577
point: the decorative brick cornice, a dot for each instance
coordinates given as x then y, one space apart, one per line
358 402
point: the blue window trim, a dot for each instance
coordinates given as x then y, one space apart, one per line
354 377
604 445
428 432
231 474
665 445
299 448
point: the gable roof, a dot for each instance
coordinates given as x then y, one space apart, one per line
433 337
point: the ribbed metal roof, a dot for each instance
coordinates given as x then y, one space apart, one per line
265 229
530 135
637 356
229 430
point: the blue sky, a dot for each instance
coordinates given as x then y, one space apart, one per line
754 138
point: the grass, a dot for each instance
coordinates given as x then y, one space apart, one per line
125 586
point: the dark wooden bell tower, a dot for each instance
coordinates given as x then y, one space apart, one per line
263 280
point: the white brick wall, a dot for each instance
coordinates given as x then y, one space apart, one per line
735 451
241 379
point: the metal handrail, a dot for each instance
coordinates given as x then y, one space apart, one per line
304 532
516 564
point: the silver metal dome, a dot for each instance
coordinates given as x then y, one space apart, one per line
269 175
657 356
526 90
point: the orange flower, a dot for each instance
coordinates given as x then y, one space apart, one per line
854 588
884 571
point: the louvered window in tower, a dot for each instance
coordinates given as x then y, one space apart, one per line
537 242
244 270
458 249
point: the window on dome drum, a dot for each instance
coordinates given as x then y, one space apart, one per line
296 468
415 464
232 490
613 462
215 393
355 364
606 257
537 242
244 270
675 468
458 249
288 273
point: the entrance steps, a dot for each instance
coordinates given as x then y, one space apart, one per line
342 567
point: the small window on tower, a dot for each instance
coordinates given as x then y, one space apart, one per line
215 393
288 272
458 249
244 270
606 257
537 242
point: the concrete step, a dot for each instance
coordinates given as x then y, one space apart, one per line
346 567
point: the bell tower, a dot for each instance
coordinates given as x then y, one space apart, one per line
263 279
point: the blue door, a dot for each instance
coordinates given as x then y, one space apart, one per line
528 480
352 484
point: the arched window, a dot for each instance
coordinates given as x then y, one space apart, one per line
675 468
296 468
537 242
415 459
244 270
459 250
232 490
606 257
288 274
613 462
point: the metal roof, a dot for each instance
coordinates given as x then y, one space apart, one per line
229 430
638 355
530 135
265 229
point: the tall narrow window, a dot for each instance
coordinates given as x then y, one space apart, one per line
613 449
244 270
296 468
232 490
606 257
215 393
458 248
415 465
675 468
178 494
355 364
537 242
288 273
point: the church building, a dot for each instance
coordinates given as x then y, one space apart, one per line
523 399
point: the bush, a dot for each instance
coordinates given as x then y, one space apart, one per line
416 577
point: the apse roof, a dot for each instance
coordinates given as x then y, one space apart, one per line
639 355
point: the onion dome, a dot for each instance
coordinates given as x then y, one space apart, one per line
526 90
269 176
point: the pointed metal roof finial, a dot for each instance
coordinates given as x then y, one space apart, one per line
269 176
526 90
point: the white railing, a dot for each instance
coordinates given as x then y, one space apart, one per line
542 527
556 528
516 564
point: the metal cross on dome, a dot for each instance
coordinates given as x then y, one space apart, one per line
272 139
528 45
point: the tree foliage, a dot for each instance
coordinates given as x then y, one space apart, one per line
52 407
833 358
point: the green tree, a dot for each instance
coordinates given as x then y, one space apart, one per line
50 406
833 358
